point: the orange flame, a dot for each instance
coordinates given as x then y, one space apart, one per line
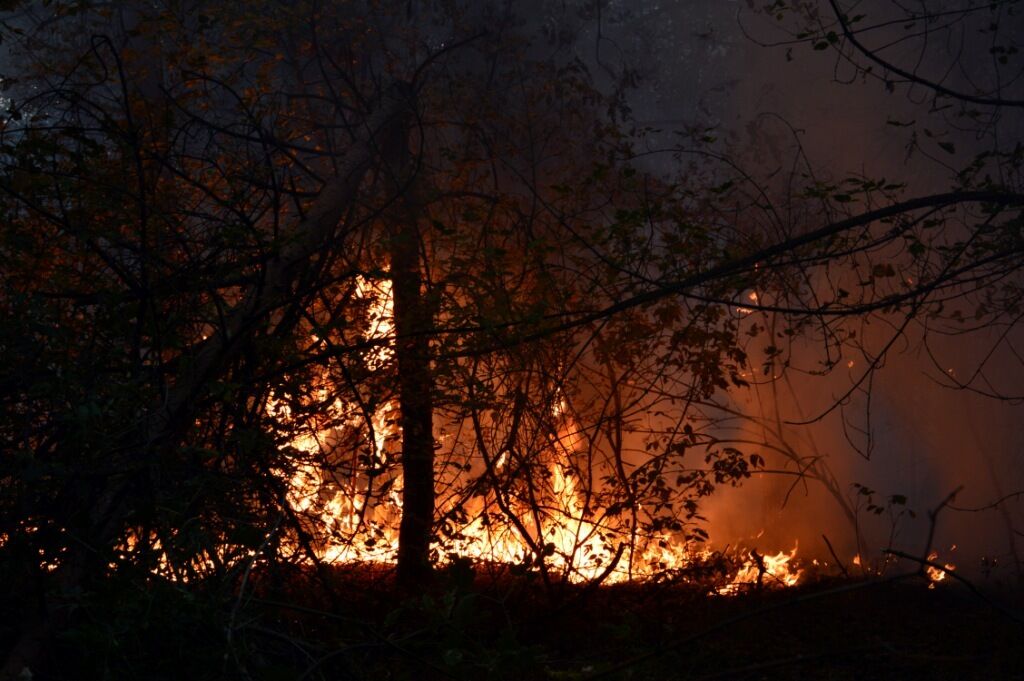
573 543
758 570
935 574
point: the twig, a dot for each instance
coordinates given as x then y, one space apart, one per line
933 517
761 569
445 48
994 504
835 556
595 583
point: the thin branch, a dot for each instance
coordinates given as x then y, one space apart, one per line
912 77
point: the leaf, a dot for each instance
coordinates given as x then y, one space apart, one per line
883 271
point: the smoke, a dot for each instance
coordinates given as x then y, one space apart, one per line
895 452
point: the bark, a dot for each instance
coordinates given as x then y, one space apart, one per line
413 320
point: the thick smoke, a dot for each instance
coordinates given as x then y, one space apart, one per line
920 434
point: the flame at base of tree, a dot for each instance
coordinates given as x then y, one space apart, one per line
565 544
570 546
352 516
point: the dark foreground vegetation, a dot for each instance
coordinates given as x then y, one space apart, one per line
472 625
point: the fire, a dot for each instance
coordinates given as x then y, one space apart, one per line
353 521
351 524
752 297
573 540
935 574
758 570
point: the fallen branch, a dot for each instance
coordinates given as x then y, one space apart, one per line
835 556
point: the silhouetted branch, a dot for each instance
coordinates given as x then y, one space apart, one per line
913 77
933 518
836 557
994 504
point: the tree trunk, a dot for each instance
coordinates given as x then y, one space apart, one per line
415 383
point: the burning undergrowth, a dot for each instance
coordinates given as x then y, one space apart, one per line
532 482
550 492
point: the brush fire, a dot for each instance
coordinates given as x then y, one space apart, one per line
354 522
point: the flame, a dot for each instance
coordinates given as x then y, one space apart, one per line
935 574
758 570
571 539
752 297
350 523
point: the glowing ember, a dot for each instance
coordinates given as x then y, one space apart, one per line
752 297
936 574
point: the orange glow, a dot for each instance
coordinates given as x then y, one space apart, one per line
575 542
935 574
758 570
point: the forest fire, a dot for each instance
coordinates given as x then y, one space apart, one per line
572 541
464 339
576 548
758 570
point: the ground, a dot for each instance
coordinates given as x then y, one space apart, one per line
470 624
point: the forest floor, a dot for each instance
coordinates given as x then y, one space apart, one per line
472 626
353 623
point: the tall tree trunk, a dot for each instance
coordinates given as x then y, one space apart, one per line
413 321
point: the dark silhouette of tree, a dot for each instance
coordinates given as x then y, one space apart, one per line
203 207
